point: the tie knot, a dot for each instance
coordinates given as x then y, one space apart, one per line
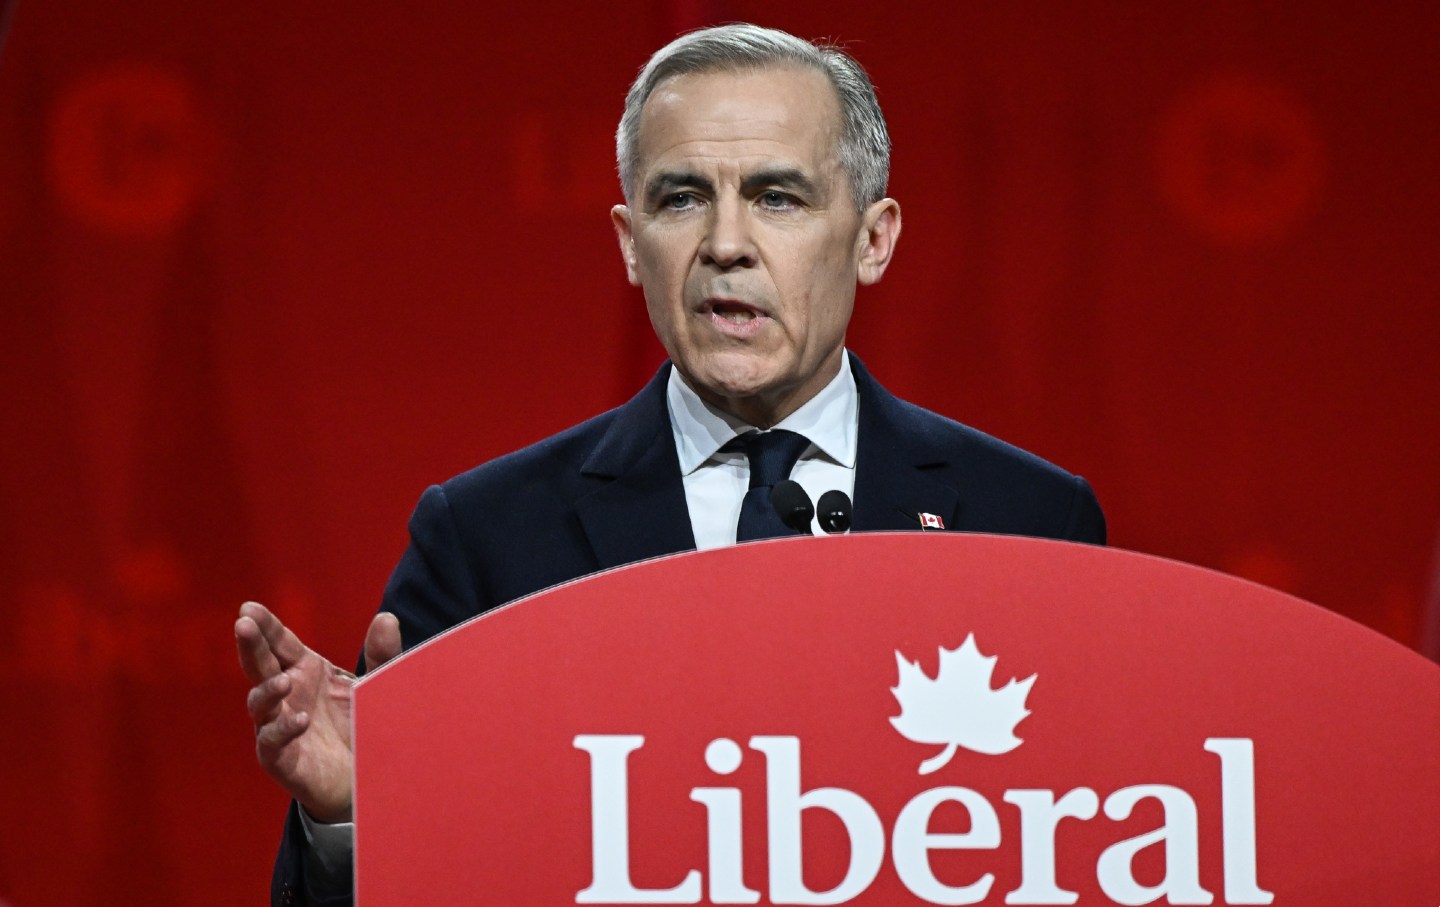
772 454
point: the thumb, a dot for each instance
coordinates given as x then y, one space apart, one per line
382 640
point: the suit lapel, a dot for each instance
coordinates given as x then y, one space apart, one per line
891 485
639 512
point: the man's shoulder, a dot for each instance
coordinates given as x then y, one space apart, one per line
578 455
996 486
554 459
927 437
966 444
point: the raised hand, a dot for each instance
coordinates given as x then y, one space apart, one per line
300 704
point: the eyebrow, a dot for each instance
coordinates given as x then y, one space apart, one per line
667 181
787 178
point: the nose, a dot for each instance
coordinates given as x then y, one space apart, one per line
728 242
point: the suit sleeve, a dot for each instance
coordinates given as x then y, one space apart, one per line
291 883
432 589
434 586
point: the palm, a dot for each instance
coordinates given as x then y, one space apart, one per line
315 766
300 704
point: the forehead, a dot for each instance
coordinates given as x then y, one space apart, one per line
773 113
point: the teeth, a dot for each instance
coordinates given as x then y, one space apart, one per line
738 315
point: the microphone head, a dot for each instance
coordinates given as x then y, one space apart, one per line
793 505
836 511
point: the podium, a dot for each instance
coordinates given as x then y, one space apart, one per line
902 719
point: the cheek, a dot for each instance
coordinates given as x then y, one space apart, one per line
666 253
827 262
658 277
663 304
827 275
662 315
828 299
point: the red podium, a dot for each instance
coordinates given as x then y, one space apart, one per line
902 719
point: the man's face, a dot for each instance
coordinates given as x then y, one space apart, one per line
745 238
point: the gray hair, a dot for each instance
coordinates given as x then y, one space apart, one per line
864 141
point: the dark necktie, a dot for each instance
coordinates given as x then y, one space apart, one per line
772 454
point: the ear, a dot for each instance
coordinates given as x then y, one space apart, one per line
880 230
620 215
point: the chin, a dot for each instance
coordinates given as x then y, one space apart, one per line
736 377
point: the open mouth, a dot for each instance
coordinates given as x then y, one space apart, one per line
732 312
737 314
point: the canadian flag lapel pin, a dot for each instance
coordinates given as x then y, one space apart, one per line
931 521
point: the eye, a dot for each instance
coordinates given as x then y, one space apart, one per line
679 201
776 200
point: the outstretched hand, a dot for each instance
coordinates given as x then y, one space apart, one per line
300 704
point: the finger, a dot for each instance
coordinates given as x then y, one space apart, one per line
274 735
256 659
287 646
382 640
266 699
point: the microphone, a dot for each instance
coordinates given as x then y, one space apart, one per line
793 505
836 511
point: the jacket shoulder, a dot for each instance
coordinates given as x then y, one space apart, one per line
1000 487
544 463
976 449
578 457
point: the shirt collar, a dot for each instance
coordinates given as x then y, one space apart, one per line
828 419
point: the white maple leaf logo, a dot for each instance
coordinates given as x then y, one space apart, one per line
959 708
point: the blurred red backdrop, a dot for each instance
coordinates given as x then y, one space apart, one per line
268 270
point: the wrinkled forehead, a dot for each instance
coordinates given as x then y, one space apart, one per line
781 105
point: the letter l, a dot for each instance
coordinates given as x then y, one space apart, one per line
610 829
1237 808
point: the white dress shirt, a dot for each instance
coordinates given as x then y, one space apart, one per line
716 480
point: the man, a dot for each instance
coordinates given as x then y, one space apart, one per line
754 168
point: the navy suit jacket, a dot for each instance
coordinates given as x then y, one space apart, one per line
608 492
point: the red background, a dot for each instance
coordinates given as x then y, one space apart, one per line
267 270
